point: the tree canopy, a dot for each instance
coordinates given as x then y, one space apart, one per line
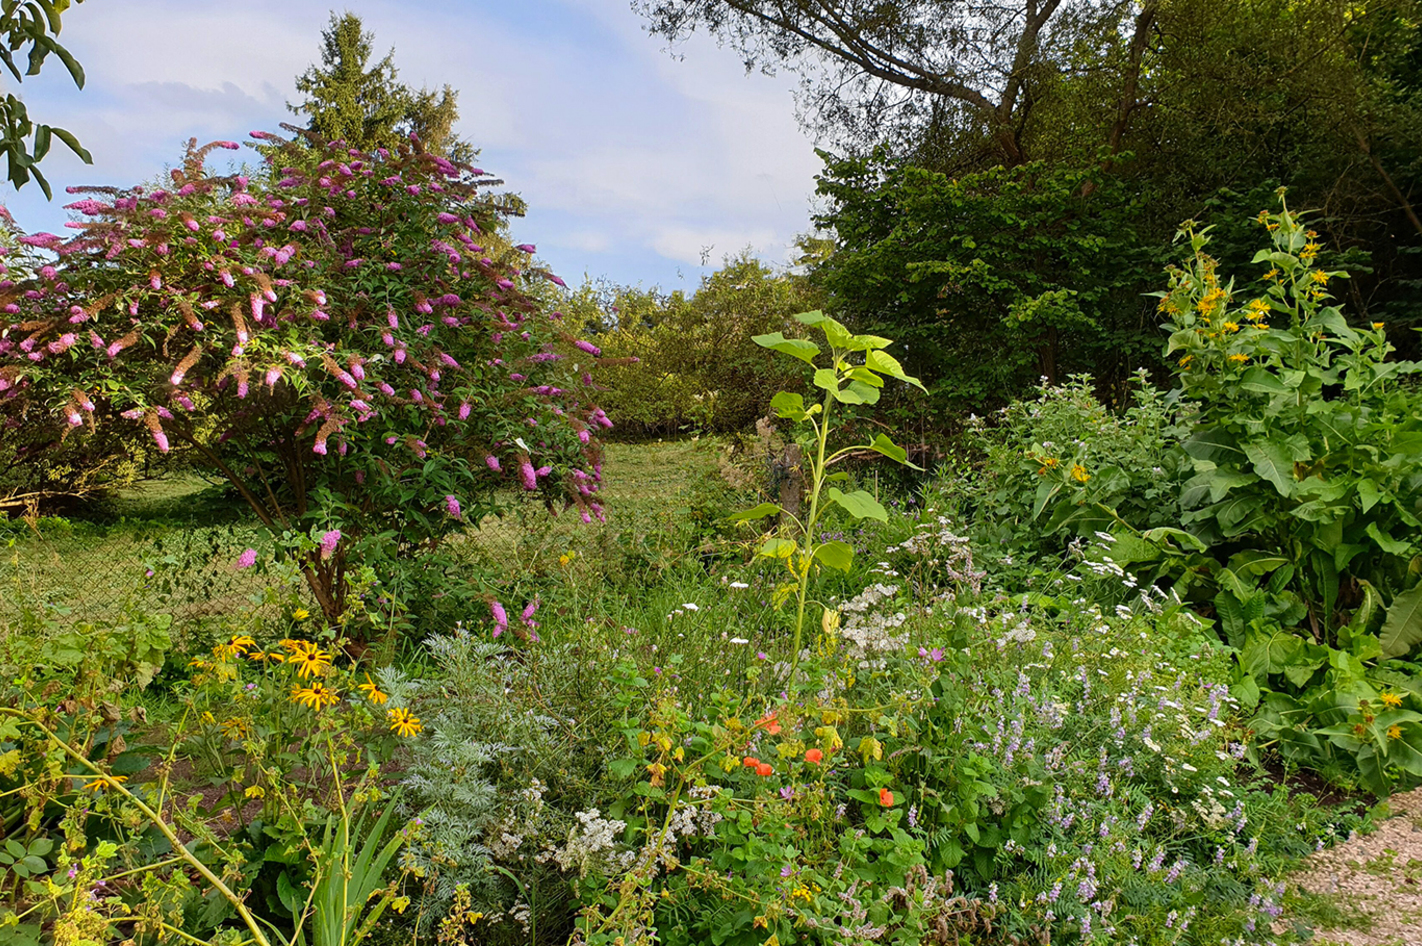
350 98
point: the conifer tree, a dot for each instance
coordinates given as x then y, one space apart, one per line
349 98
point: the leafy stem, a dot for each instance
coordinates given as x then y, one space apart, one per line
858 367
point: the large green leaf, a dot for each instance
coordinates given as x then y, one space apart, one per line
1270 651
836 555
882 444
759 512
1185 539
827 379
884 363
1386 542
1215 482
1273 462
857 393
859 504
1263 381
1219 446
776 548
1045 493
789 406
1402 629
800 348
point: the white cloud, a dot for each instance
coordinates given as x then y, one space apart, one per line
689 244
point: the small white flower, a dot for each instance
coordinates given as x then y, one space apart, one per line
739 584
691 607
739 640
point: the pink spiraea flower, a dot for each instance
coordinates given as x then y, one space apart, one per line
501 617
493 462
451 506
329 542
528 474
247 559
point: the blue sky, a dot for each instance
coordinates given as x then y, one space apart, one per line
632 161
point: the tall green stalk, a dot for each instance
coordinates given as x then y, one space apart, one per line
855 375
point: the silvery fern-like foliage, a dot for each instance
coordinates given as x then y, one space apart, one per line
469 780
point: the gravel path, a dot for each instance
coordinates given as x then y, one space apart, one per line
1375 881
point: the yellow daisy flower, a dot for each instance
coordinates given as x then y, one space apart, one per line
1394 732
404 723
372 691
1391 699
311 663
317 695
1078 473
235 646
236 728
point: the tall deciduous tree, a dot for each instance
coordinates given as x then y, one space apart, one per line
907 70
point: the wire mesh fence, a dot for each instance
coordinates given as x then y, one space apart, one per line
65 575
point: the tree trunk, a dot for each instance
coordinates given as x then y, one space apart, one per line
1402 200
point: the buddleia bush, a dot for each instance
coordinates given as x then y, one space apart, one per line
346 338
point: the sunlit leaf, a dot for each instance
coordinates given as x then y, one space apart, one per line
859 504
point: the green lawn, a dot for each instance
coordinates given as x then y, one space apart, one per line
85 571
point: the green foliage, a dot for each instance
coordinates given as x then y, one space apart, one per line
1279 497
1064 465
366 106
695 366
34 24
1306 489
1019 263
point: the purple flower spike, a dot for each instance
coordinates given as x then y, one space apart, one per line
501 617
493 462
451 506
329 542
247 559
530 478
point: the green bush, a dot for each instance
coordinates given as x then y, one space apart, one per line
696 367
1065 465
